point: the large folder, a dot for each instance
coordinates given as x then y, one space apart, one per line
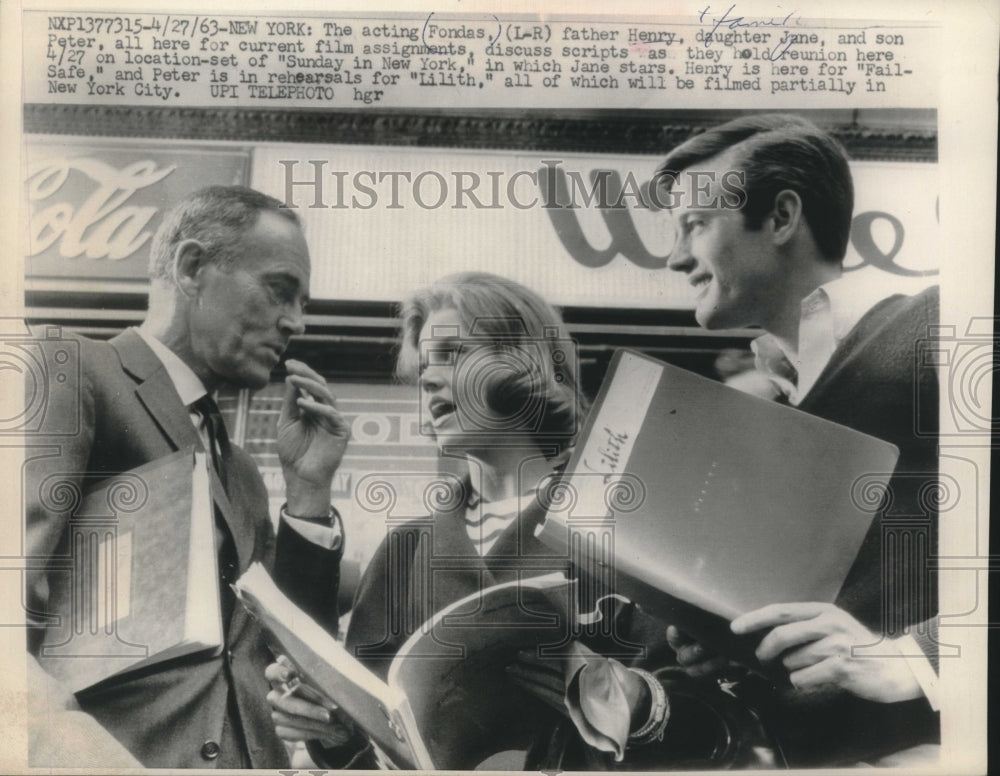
447 701
701 502
141 585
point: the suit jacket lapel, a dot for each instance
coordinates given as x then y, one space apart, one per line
518 538
450 542
156 392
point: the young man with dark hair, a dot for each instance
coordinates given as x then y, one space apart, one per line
863 669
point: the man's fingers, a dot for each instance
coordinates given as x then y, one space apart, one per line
302 369
298 721
329 418
298 707
317 402
710 667
693 654
276 673
677 638
305 728
289 402
777 614
690 653
310 388
794 634
815 652
305 389
309 383
695 658
832 670
292 734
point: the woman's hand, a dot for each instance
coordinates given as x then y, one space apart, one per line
603 698
693 657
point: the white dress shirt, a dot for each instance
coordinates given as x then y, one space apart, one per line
828 315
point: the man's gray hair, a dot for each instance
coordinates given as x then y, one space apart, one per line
218 217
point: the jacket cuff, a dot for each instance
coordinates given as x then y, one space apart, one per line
326 531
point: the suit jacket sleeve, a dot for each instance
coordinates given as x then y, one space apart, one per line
834 727
309 574
54 471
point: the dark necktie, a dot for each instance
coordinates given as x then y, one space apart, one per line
222 451
218 439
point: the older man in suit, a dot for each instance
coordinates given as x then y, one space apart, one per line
229 280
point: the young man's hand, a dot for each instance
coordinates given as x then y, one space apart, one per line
816 643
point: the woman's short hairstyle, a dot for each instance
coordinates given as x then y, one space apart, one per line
505 317
778 151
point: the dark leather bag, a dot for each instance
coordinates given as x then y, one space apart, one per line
715 724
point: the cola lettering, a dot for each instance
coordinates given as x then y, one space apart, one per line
610 196
102 226
864 243
613 196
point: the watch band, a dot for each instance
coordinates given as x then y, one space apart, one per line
658 715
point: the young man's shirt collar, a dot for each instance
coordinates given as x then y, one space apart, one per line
828 315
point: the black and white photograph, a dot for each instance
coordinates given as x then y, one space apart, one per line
503 388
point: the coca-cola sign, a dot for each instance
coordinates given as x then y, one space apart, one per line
94 208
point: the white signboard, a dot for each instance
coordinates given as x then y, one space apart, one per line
577 228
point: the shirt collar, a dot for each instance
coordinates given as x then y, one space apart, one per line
776 361
851 297
827 316
187 384
512 503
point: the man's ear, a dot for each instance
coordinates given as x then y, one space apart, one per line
787 215
189 260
